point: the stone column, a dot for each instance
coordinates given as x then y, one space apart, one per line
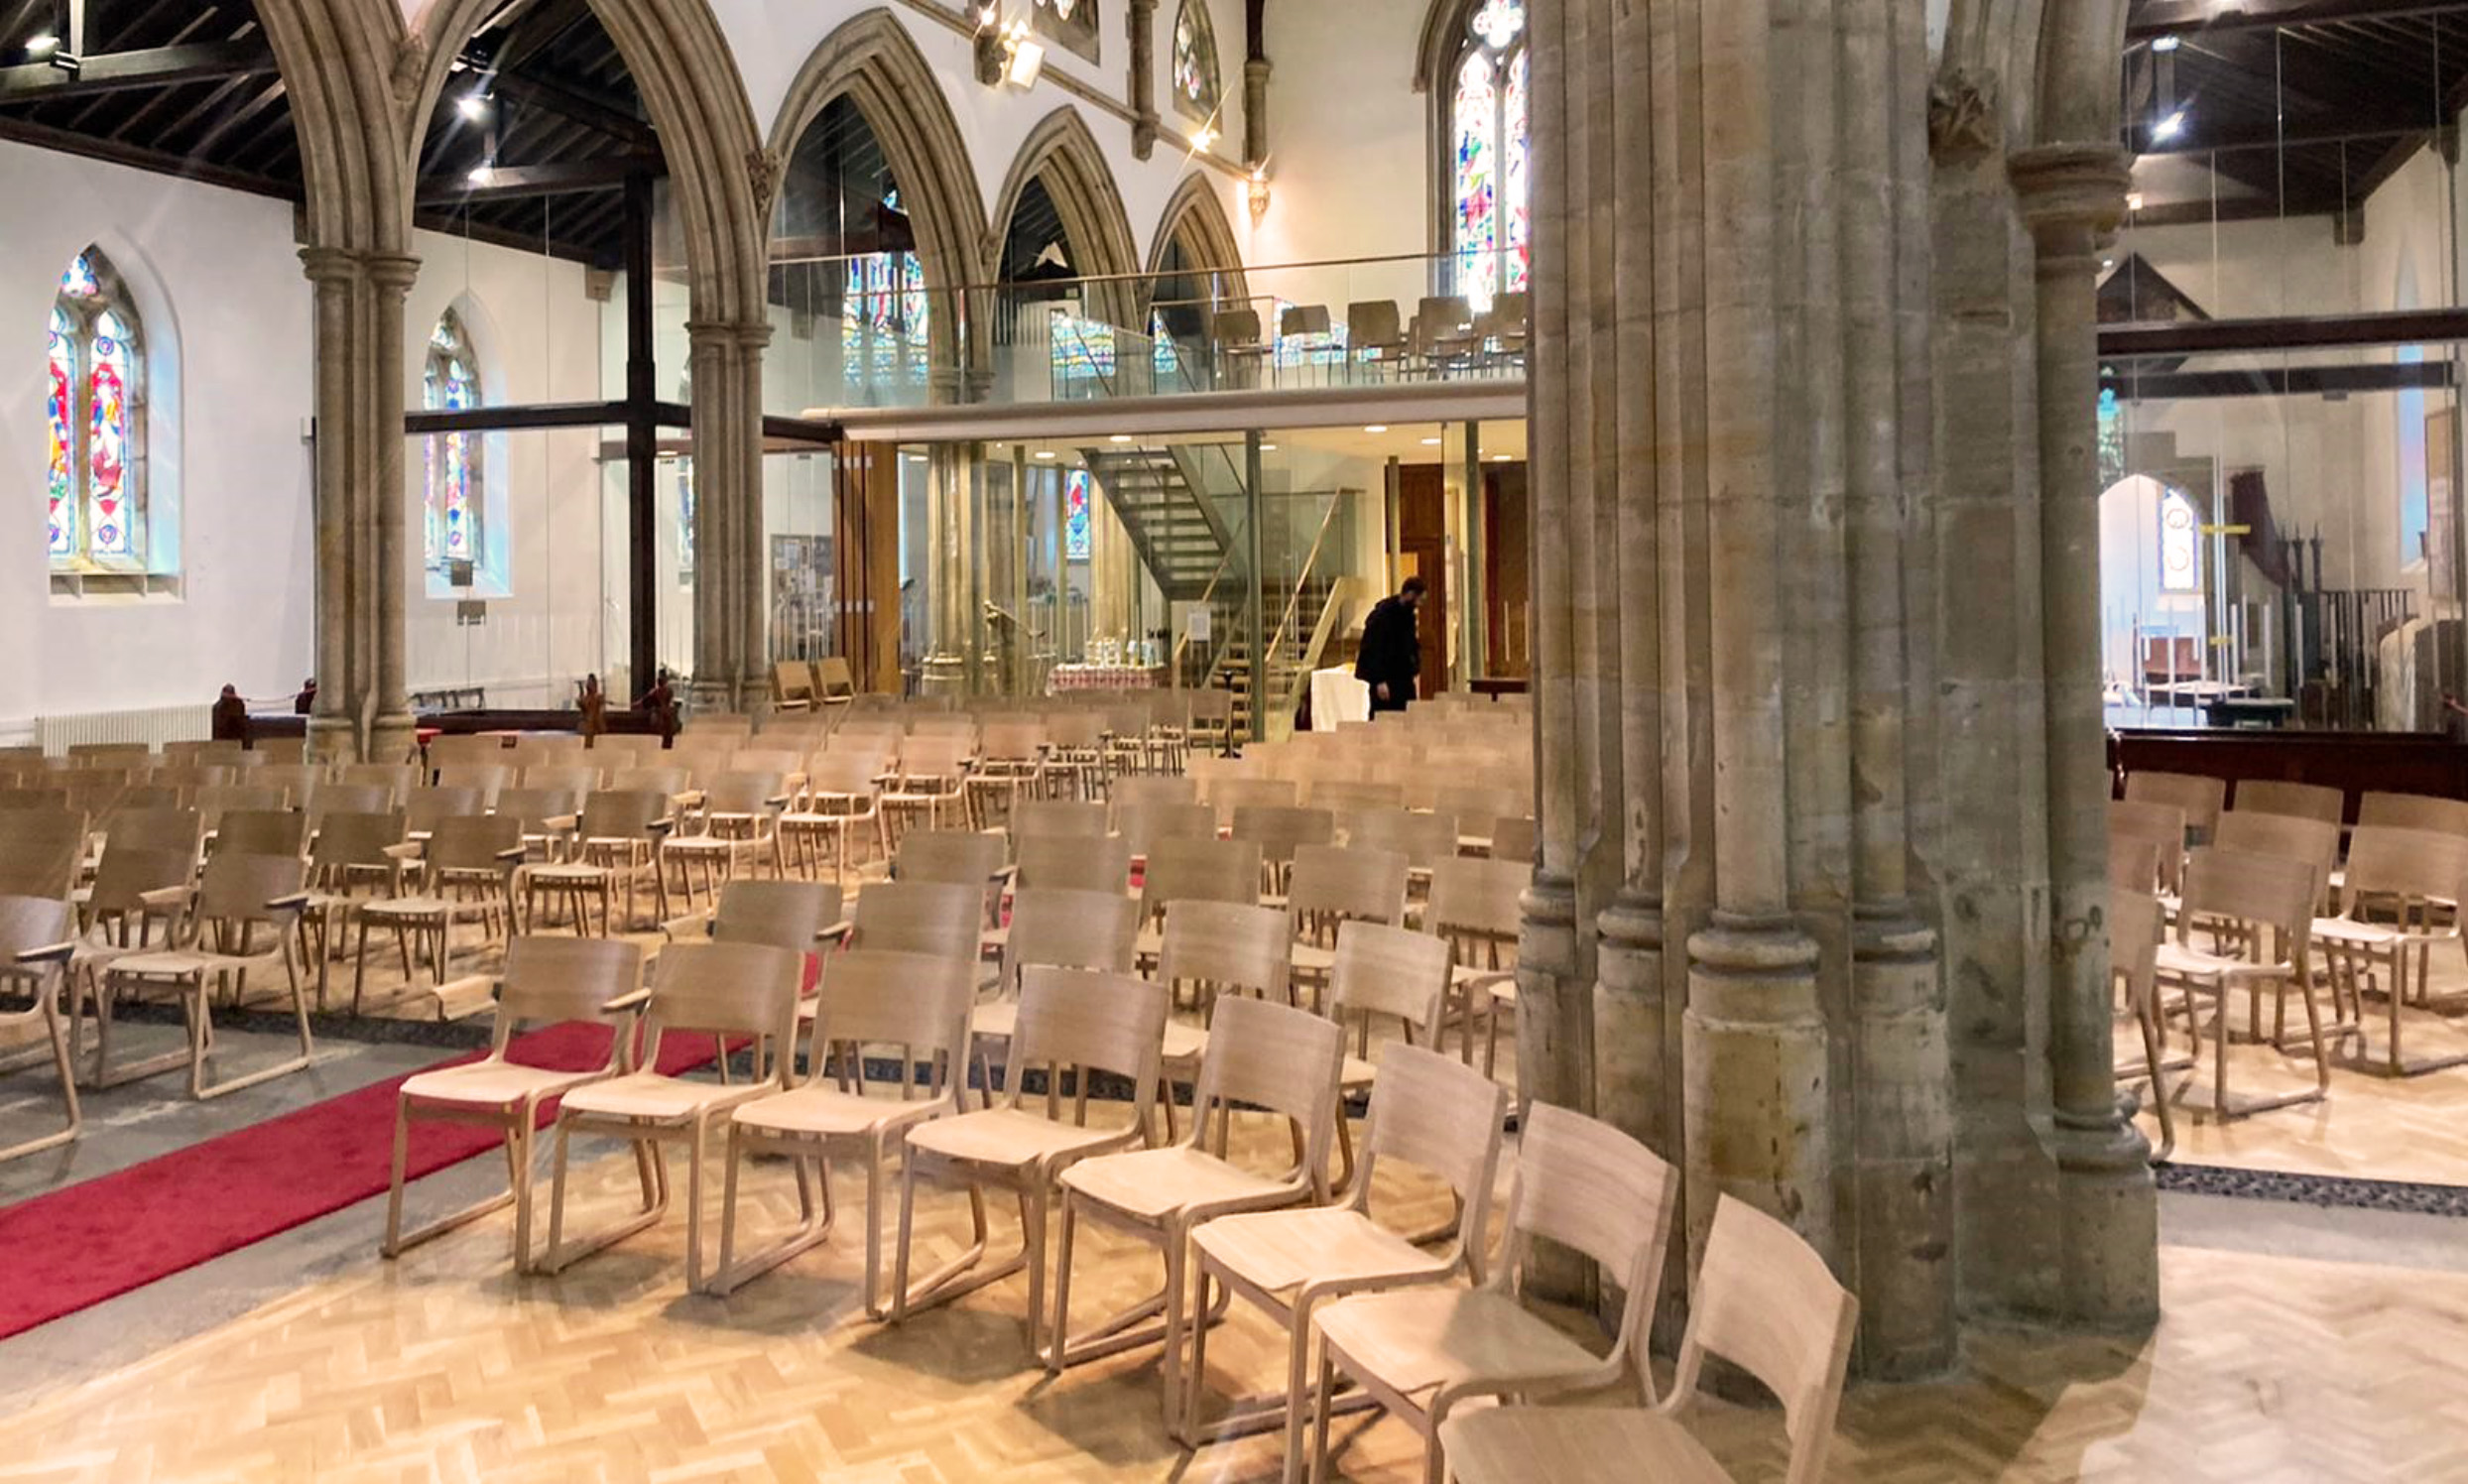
1140 17
1256 71
731 565
2074 196
362 709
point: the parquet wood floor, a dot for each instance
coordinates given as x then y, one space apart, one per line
445 1367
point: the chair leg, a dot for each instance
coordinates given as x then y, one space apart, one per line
1061 1326
1323 1393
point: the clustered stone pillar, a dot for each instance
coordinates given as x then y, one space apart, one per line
1141 14
363 709
732 570
1729 948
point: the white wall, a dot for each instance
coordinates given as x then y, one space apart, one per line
216 272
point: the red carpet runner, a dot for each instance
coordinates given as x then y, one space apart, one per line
97 1239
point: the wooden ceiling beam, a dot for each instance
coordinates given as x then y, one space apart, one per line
119 72
2189 18
567 178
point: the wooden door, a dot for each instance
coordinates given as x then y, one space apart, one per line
868 562
1508 606
1423 536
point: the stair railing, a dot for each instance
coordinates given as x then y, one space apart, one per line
1264 675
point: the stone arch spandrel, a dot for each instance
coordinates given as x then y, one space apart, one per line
338 60
1066 153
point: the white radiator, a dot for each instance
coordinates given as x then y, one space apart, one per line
153 727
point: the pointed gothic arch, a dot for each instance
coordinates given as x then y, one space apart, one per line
1065 155
1195 216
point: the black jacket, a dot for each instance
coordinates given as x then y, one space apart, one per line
1392 654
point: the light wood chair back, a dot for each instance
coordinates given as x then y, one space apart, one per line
2270 890
2160 826
219 800
1479 805
1230 796
157 828
128 873
328 799
2203 799
914 1001
1014 739
783 914
2314 841
239 890
263 832
1073 930
1276 1058
668 779
720 722
1343 795
298 781
1440 1115
953 857
41 851
29 924
536 806
848 775
396 778
610 814
1147 789
2135 922
1477 898
724 989
189 776
1586 1186
786 763
2266 796
469 844
1225 947
744 792
1425 839
1383 970
431 807
636 747
1513 838
1207 870
2132 863
2414 812
1102 864
358 838
833 678
555 979
1281 829
1765 1302
1340 883
2415 866
917 917
1072 818
1145 826
573 777
935 757
453 751
1088 1020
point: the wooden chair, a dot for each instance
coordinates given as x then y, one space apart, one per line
546 979
933 778
548 817
1477 907
217 801
1426 840
1375 331
792 686
795 915
1072 1021
467 874
396 778
1204 870
41 852
1230 792
739 812
242 918
1432 1114
2398 899
1075 752
1148 791
2161 826
1051 927
920 917
429 806
915 1003
2203 799
2270 899
1513 838
1763 1301
833 684
1421 1352
723 990
1333 885
1011 763
1280 830
1271 1059
617 838
2310 841
2259 796
1144 826
1033 819
353 855
490 778
840 796
37 943
2134 925
1102 864
1477 806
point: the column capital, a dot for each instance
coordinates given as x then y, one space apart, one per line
720 334
332 265
2072 195
394 271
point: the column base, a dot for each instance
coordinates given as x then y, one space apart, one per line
1550 999
1903 1150
393 738
2109 1213
332 739
1637 1066
1754 1055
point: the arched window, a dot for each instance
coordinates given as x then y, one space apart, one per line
886 320
1196 61
96 411
454 486
2180 544
1070 22
1489 224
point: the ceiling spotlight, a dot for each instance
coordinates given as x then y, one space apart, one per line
2167 43
1044 453
2169 128
1120 438
480 174
1027 60
43 46
1267 447
1502 458
1431 443
472 105
1377 427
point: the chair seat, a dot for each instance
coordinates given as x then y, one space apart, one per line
492 1084
1184 1044
2192 963
1314 961
1357 1073
1416 1339
573 873
1575 1445
1280 1250
414 908
995 1022
1005 1137
650 1096
174 966
827 1112
1155 1183
2347 933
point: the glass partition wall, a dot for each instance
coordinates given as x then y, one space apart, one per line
2281 339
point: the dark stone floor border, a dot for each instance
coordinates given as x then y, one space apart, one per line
2329 1191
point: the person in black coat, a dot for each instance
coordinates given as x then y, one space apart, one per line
1392 654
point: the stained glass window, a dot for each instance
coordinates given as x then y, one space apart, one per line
1072 22
455 499
885 323
1076 538
2112 437
1196 61
1491 227
94 411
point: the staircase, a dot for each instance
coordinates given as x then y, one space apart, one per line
1177 529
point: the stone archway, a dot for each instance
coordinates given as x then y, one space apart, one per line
1061 152
873 62
1195 214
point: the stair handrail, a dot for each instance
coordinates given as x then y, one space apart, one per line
1294 600
1207 599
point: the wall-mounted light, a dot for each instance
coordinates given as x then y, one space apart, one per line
481 175
2169 128
472 105
1005 54
1258 189
2134 200
2166 44
1026 58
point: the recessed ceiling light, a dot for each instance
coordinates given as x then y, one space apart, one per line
1044 453
2134 200
472 105
1120 438
1431 443
2167 43
1377 427
2169 128
1267 447
1502 458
